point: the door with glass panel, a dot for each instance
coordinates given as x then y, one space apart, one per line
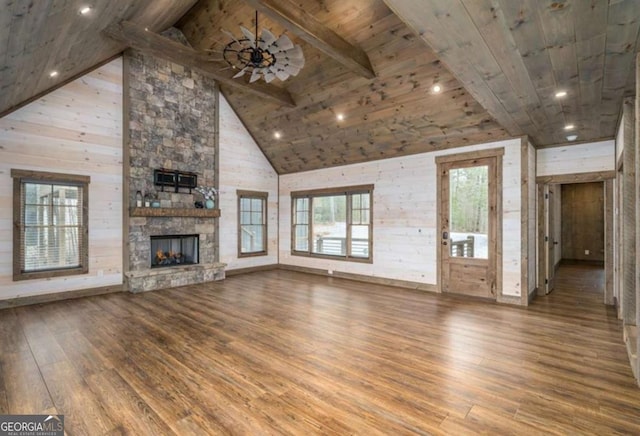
468 211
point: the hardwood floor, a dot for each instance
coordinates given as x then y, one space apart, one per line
281 352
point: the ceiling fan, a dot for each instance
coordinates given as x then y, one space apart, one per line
265 56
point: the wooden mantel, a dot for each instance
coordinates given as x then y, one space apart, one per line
174 212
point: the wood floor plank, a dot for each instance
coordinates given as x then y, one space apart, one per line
281 352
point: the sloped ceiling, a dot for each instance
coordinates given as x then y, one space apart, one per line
41 36
391 115
499 62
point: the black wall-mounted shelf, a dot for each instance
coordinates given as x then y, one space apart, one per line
175 179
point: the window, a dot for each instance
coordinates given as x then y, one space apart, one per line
252 223
51 234
333 223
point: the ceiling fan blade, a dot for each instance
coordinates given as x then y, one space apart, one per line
240 73
295 52
291 70
282 44
281 74
269 76
298 63
255 75
247 34
266 39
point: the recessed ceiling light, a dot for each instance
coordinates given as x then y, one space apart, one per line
53 74
561 94
85 10
572 137
436 88
277 135
569 127
340 117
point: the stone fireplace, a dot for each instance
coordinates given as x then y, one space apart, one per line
172 124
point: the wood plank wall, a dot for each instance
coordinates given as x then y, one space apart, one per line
573 159
405 237
243 166
582 221
76 129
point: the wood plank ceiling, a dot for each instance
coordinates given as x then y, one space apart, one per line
508 59
393 114
38 37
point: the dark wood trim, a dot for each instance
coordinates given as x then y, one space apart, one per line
174 212
524 220
216 168
264 197
608 241
59 296
58 85
493 158
330 257
540 224
357 189
165 48
348 192
250 269
43 177
127 202
47 177
246 193
597 176
470 155
363 278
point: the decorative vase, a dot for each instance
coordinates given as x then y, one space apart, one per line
209 204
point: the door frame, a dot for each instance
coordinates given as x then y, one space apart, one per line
497 153
565 179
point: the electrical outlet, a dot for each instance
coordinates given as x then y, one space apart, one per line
586 252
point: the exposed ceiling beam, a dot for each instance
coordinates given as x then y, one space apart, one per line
308 28
165 48
487 70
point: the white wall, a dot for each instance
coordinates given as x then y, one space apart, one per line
405 237
76 129
243 166
579 158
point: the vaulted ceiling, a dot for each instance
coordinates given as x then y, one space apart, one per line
499 63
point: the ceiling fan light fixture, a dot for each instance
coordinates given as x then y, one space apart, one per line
263 56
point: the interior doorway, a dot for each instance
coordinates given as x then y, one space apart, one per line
574 226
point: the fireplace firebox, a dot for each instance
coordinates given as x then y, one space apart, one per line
174 250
